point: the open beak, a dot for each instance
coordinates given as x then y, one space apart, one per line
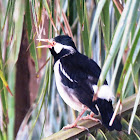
50 41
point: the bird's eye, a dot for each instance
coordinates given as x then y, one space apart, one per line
53 43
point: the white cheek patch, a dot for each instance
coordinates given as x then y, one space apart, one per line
105 92
58 47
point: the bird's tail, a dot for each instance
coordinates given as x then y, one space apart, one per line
106 111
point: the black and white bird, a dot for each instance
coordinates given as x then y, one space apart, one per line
76 79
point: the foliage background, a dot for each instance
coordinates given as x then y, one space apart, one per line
107 31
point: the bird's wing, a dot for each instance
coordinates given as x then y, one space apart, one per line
80 73
79 67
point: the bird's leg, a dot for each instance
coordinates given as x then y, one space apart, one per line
74 124
90 117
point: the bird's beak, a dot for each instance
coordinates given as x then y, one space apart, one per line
50 41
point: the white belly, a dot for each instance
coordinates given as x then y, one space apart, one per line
65 92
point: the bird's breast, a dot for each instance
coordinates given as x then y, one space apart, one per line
65 92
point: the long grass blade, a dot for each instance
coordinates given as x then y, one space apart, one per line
82 13
114 47
95 20
11 102
100 135
19 19
7 12
5 82
136 125
134 135
129 24
119 6
67 25
105 24
30 35
129 59
134 111
49 14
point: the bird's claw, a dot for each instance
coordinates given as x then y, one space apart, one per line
89 117
74 126
69 126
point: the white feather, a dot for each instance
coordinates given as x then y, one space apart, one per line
63 71
104 92
58 47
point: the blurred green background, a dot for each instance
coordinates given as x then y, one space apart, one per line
107 31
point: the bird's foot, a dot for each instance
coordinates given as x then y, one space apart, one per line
74 125
90 117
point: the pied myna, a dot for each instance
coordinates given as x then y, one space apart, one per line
76 78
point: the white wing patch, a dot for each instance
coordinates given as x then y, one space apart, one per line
63 71
105 92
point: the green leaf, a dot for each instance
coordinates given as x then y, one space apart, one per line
117 14
82 13
129 60
111 135
30 35
19 19
131 19
136 125
7 11
2 88
9 16
49 14
100 135
11 102
134 111
80 10
40 10
91 137
5 82
114 47
133 135
105 24
96 17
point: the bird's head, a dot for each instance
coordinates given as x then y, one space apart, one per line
60 46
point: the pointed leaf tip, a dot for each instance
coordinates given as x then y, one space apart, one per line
5 82
7 87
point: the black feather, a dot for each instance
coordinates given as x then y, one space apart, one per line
65 40
106 111
83 76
